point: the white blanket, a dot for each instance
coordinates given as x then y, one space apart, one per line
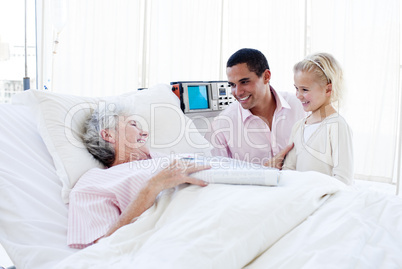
218 226
353 229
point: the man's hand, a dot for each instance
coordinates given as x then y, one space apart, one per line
277 160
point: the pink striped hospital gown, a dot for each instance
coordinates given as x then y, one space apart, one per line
100 196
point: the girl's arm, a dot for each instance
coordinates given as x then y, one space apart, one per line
342 152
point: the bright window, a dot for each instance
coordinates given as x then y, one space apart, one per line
12 47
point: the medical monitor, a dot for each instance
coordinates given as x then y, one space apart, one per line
198 97
203 97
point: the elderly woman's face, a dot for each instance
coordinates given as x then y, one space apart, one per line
131 133
131 139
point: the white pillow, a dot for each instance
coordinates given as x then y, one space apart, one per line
60 120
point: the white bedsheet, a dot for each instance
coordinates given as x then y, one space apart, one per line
33 218
219 226
353 229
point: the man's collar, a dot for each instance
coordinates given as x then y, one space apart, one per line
280 101
280 104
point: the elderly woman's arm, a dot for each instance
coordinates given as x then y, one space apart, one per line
176 174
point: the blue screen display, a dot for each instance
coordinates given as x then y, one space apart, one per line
198 97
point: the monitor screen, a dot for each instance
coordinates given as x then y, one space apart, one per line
198 97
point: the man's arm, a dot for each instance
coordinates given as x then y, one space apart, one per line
218 139
278 159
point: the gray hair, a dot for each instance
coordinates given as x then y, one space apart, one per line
105 116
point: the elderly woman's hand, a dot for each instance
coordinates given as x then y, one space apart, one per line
176 173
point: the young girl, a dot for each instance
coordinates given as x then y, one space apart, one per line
322 140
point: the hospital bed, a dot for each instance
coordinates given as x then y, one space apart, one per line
308 220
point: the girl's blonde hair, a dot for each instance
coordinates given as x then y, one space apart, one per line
327 69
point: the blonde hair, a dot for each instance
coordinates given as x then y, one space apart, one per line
327 69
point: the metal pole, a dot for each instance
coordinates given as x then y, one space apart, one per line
36 47
26 81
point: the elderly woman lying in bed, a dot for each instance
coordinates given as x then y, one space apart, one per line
103 200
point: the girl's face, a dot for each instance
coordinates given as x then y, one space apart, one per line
313 94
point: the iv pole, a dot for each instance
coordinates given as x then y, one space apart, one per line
26 80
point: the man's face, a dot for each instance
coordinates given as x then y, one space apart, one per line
247 87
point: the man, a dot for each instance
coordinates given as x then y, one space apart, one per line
258 126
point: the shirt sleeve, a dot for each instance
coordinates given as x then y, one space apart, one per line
342 152
90 217
290 158
219 142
